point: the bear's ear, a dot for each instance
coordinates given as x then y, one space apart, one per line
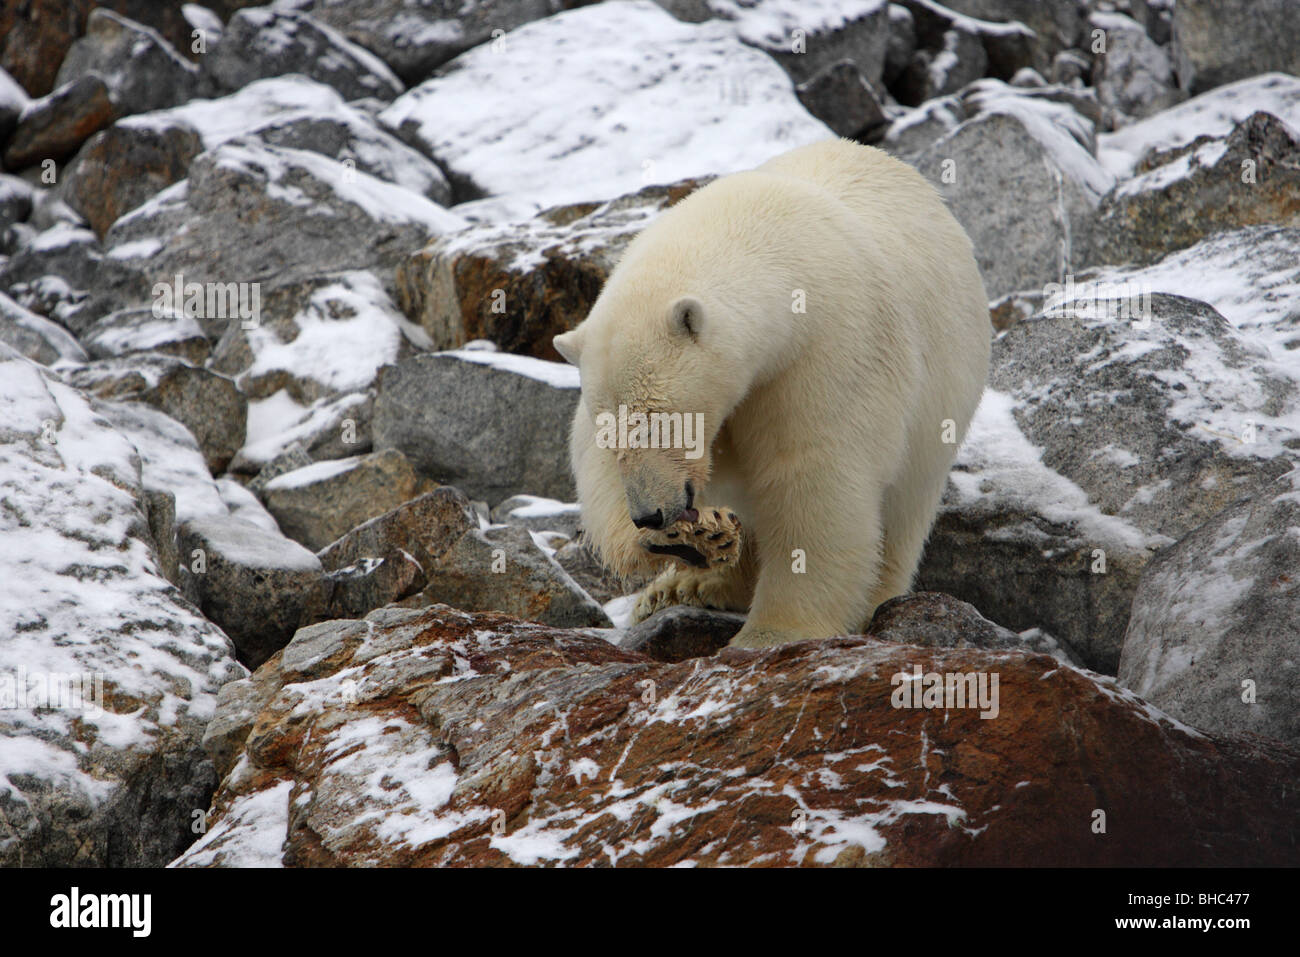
569 345
688 316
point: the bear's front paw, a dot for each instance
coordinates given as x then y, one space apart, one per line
712 540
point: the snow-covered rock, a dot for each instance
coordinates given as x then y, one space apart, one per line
1213 639
137 329
261 42
107 676
324 337
518 284
36 337
319 503
595 102
171 462
51 272
121 167
1021 180
259 586
415 36
1132 74
1022 542
539 514
804 36
1251 276
1058 24
1216 113
1249 177
913 131
329 428
205 402
53 127
137 157
1119 418
1008 46
1153 403
251 218
440 738
143 71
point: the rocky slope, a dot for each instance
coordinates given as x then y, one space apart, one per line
277 289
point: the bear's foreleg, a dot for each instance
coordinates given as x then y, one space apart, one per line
711 566
818 569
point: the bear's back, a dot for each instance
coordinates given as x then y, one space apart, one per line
879 189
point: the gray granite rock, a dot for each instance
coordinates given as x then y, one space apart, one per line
491 424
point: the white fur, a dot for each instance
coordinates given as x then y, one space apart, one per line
824 428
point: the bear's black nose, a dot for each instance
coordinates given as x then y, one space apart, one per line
654 519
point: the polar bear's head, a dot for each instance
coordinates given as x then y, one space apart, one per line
660 375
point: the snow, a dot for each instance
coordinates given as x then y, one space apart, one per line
620 612
559 375
13 97
245 506
995 451
347 330
1060 129
266 105
251 832
600 101
141 333
138 249
201 18
311 474
1162 177
535 506
61 235
79 593
1213 113
381 201
771 23
170 460
244 543
1251 276
278 421
1226 395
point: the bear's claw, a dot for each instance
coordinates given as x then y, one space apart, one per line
713 539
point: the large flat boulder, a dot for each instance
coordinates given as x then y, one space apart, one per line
651 100
502 743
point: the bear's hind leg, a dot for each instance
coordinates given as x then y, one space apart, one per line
908 515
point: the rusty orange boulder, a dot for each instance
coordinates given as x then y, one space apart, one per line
442 738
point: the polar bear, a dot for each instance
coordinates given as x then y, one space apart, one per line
775 380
